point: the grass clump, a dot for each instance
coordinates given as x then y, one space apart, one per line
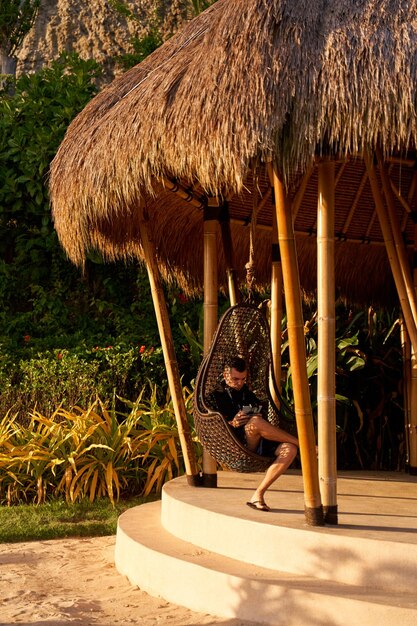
58 519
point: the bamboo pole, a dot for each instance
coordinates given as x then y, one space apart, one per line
186 194
407 389
410 280
391 252
210 315
276 294
276 310
398 238
234 294
171 365
308 233
412 424
400 198
229 258
326 380
412 428
302 404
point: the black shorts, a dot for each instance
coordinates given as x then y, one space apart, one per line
267 448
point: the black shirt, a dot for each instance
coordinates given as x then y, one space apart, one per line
229 401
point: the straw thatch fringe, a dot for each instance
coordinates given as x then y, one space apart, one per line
246 80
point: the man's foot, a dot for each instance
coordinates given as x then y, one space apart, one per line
259 505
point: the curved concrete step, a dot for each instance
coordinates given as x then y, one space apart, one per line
374 544
204 581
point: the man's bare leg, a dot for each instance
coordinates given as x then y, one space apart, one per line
258 427
285 455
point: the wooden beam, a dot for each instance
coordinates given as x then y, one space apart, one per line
295 325
370 225
326 375
264 200
413 188
298 198
355 202
400 161
340 172
310 233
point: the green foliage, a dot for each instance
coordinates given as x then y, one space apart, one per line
122 8
152 39
34 275
142 47
66 338
201 5
16 20
369 413
43 296
163 454
90 453
33 123
148 42
70 377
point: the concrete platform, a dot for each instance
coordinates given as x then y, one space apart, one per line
205 549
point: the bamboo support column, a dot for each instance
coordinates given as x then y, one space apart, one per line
407 389
210 314
171 365
397 237
412 423
276 309
326 380
391 252
229 258
303 412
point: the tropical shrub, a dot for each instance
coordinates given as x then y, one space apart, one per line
369 405
91 453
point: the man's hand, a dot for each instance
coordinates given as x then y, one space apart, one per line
240 419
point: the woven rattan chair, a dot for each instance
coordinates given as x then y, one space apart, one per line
244 331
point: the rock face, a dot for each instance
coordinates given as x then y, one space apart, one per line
94 29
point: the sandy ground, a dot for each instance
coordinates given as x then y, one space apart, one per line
74 581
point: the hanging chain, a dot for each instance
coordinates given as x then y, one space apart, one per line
250 265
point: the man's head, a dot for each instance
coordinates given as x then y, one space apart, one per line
235 372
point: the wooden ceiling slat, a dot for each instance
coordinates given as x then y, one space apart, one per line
355 203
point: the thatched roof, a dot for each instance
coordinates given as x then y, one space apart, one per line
246 81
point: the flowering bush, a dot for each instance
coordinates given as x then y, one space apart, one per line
70 377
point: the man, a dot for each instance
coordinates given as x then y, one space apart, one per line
233 400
